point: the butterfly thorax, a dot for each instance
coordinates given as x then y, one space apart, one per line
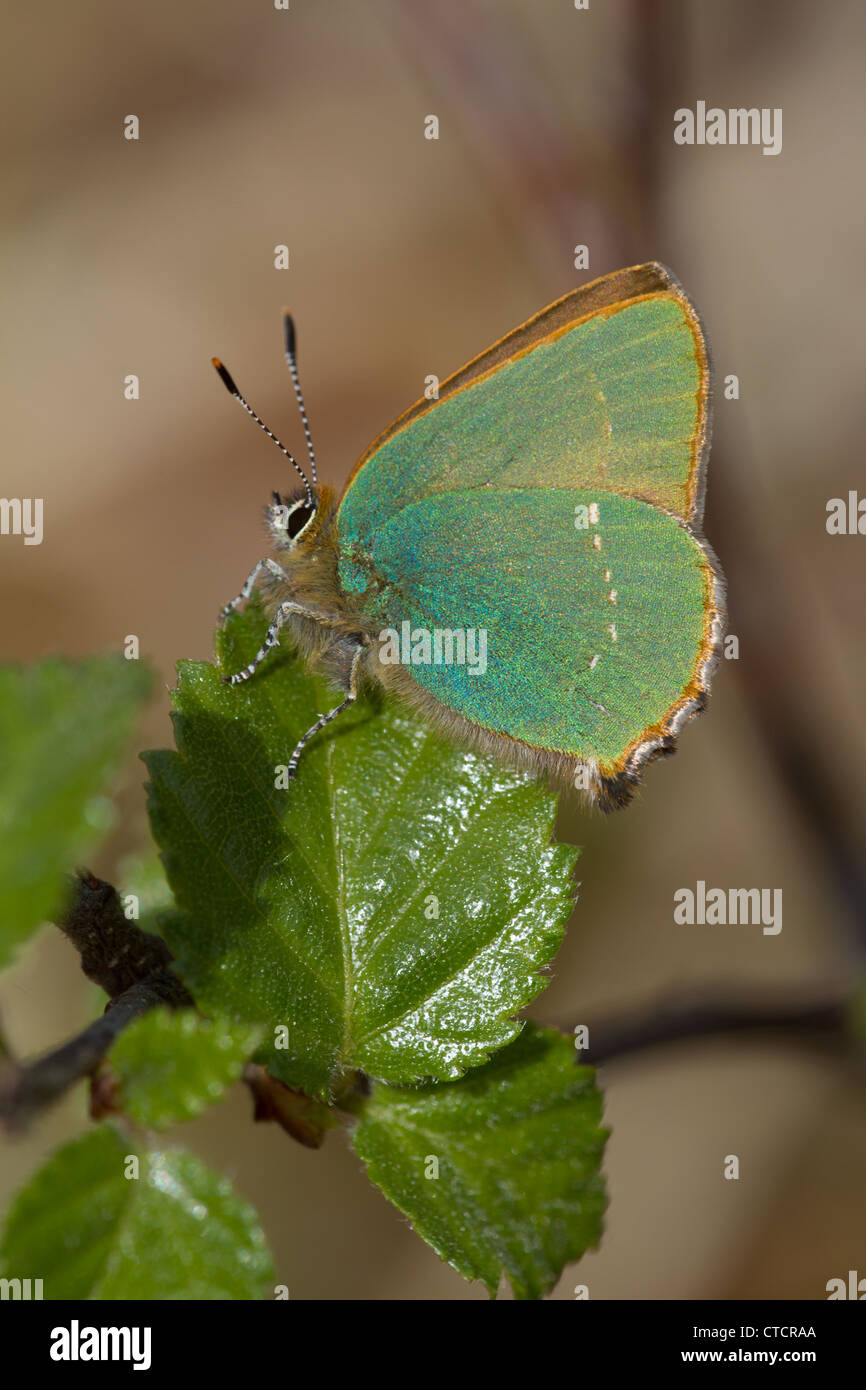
305 542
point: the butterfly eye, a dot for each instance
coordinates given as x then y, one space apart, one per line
299 516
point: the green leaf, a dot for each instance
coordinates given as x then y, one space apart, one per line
171 1065
64 727
175 1232
519 1147
390 909
143 875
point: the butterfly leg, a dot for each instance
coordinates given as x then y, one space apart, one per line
273 569
272 637
323 719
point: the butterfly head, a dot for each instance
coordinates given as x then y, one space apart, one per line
291 519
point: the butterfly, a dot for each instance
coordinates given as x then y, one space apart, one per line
520 559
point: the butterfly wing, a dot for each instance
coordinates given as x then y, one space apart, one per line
609 386
551 496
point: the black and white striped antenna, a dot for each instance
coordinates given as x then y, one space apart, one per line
228 382
292 360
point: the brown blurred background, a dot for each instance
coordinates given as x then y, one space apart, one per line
408 256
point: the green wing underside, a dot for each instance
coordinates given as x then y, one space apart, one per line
465 519
592 634
611 403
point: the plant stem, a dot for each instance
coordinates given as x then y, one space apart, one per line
131 965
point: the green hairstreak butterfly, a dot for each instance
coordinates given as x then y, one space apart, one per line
520 560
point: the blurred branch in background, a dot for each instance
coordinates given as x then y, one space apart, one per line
131 965
548 189
553 195
821 1022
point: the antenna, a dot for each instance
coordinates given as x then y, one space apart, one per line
292 360
228 382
